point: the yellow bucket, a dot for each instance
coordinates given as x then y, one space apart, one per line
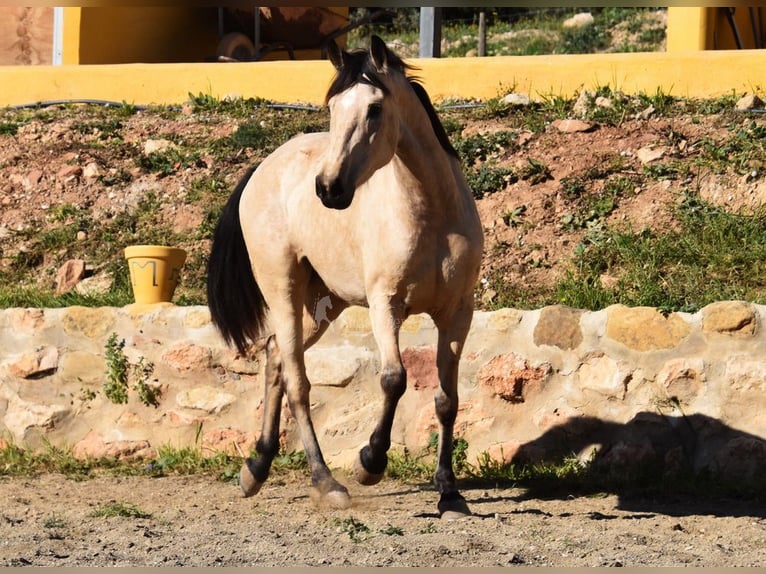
155 271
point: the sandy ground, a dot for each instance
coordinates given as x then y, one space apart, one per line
200 521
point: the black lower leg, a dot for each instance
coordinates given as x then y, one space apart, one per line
267 449
446 412
373 456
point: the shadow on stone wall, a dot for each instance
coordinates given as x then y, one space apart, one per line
661 451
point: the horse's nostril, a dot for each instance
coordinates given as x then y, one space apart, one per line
336 188
321 190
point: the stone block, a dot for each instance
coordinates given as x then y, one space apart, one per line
645 328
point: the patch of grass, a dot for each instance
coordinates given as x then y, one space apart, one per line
481 147
9 128
357 531
535 172
713 256
54 521
488 178
119 510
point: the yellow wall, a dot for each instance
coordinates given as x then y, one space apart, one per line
687 73
117 35
708 28
121 35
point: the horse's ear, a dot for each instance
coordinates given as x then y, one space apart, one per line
378 53
335 54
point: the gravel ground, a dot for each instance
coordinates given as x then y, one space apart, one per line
199 521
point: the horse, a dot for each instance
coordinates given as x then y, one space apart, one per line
375 212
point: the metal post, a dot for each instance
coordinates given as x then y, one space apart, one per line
430 32
482 33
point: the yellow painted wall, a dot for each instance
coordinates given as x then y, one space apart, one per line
116 35
171 34
687 73
695 28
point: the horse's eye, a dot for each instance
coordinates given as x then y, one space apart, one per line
374 111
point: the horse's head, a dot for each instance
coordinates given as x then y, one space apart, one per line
364 120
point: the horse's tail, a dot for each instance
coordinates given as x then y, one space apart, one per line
237 306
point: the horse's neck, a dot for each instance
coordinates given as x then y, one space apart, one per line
420 152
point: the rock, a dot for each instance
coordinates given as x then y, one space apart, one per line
683 379
35 364
69 173
187 357
580 20
90 322
645 328
158 146
731 317
32 179
208 399
582 104
69 275
742 458
91 171
558 326
82 367
605 376
572 126
21 416
95 446
514 99
230 441
511 377
420 363
749 102
603 102
95 285
335 367
646 113
504 319
650 154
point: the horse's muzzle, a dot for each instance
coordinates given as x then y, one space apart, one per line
335 195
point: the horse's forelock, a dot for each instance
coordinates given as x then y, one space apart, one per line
358 68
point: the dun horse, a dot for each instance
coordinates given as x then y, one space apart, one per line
375 212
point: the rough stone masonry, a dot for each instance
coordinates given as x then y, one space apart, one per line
625 387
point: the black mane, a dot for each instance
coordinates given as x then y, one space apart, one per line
357 68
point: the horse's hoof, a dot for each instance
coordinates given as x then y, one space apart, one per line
331 495
452 506
363 476
247 481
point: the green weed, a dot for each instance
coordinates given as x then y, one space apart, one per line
119 372
119 510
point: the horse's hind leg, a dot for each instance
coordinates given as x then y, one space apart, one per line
452 334
285 372
255 471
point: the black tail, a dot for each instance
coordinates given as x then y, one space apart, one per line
236 303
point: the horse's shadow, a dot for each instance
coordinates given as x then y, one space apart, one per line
674 465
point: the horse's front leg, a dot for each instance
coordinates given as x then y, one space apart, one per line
452 334
386 319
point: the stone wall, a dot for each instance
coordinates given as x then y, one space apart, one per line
631 385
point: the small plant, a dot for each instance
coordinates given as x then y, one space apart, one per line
392 531
54 521
355 529
116 385
120 371
488 179
514 217
535 172
119 510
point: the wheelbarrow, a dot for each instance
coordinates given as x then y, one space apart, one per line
251 35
